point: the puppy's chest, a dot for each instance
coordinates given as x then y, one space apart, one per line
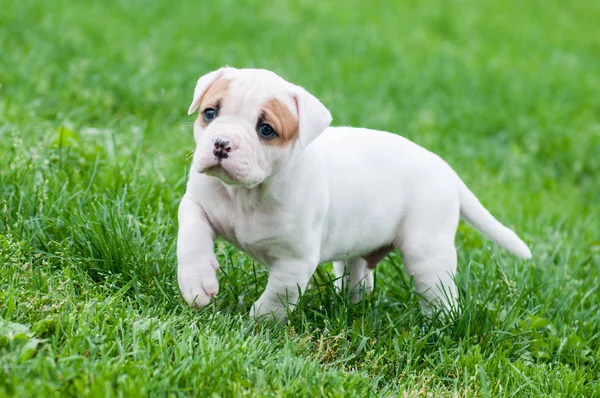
264 236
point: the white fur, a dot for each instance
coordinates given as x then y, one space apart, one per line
336 194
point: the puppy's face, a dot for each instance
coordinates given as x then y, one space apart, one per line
251 124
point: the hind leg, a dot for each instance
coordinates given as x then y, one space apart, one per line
358 279
432 265
427 246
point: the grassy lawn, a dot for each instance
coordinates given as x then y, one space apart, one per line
94 150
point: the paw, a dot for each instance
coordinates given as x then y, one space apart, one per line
340 282
265 310
362 290
357 294
198 284
444 303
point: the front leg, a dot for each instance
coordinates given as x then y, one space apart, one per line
287 280
197 263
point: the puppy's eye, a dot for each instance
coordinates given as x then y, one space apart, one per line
266 131
209 114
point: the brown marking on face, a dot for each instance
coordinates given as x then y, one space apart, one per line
214 97
283 121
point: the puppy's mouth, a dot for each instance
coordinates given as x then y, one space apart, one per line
218 171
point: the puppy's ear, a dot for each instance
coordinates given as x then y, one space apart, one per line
313 116
203 84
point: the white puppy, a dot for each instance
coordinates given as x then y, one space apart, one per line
271 177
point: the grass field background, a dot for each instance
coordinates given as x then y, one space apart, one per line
94 149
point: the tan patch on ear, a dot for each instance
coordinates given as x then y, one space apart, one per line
283 121
216 94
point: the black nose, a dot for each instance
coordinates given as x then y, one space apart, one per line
222 148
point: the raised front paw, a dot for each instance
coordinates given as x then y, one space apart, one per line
198 284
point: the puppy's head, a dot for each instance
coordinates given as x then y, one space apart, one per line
251 124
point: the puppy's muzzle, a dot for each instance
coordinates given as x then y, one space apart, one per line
222 149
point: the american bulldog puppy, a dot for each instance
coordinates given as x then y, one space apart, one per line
271 177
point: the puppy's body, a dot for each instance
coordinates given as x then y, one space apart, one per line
350 197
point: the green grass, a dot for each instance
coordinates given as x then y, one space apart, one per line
94 148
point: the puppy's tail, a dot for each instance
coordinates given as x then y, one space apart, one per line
478 216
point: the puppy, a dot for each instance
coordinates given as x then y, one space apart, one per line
271 177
